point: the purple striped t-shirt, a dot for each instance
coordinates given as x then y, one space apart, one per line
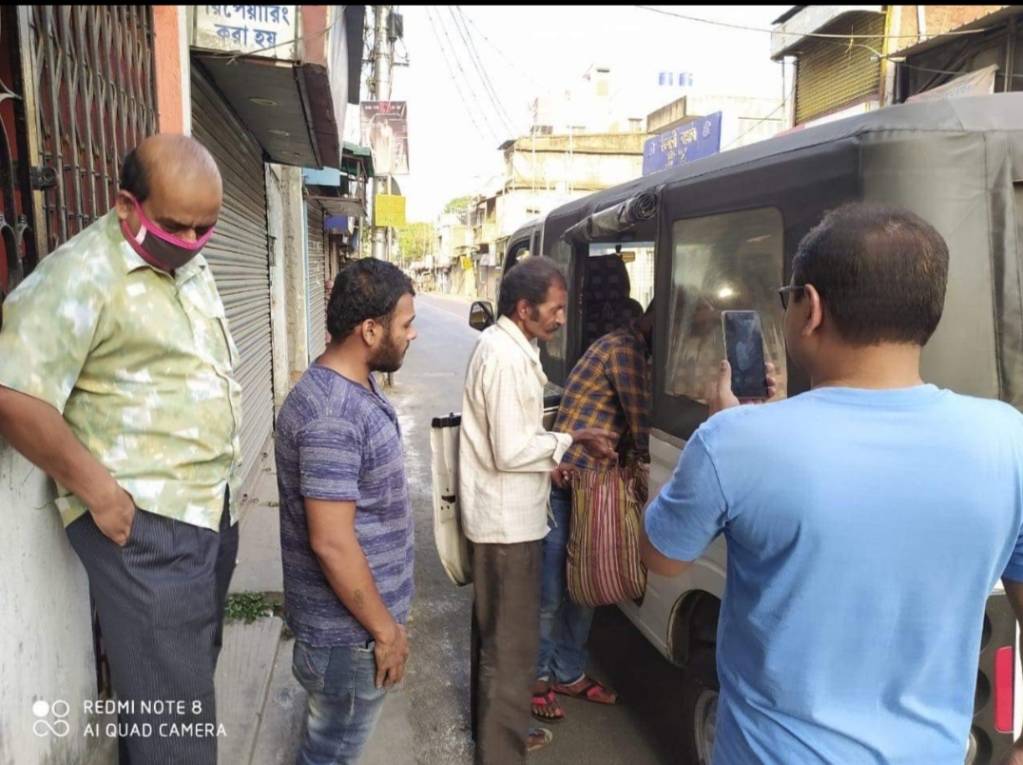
338 441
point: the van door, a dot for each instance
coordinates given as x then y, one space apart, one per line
453 548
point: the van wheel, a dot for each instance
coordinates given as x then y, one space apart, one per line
699 707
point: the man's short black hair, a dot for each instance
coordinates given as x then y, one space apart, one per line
135 176
365 289
529 279
881 273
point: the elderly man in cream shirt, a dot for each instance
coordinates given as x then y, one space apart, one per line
505 462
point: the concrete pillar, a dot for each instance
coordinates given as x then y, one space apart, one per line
295 286
171 69
278 285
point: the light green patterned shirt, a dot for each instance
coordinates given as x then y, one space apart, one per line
140 365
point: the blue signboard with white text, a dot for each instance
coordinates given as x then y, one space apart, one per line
698 138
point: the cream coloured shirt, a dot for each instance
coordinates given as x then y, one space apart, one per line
505 455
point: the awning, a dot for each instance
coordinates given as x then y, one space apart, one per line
287 94
342 192
357 160
335 191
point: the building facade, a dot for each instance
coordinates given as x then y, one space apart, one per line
893 54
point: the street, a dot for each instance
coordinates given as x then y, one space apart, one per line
432 712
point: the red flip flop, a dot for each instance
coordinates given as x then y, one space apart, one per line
588 690
546 707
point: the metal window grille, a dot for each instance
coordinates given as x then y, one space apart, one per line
91 71
17 246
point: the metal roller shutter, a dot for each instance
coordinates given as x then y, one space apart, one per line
317 275
239 255
833 74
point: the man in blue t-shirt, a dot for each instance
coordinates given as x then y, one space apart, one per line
867 520
346 521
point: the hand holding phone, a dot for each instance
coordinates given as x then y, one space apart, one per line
743 344
744 349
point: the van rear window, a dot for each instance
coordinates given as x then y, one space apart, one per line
731 261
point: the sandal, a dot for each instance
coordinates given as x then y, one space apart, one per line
546 707
588 690
538 738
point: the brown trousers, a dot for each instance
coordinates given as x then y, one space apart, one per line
506 640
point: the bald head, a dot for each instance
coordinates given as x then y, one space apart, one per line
176 182
168 157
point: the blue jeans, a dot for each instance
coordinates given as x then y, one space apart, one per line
564 625
344 704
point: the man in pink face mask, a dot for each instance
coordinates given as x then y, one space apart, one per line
117 380
167 207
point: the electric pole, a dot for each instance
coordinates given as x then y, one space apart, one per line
380 90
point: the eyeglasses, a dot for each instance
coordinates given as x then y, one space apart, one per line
783 294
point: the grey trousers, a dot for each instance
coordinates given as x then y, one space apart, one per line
506 638
160 602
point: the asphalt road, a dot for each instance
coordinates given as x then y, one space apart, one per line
433 716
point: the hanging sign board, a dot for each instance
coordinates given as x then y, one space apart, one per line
389 211
691 140
385 131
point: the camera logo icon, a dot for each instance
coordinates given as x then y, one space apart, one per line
51 719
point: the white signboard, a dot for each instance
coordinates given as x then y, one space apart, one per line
981 82
261 30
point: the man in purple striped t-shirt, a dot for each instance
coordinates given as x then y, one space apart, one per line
346 521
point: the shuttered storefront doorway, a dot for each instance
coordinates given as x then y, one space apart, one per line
832 75
239 255
316 276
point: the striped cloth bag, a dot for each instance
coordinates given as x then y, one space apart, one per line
603 547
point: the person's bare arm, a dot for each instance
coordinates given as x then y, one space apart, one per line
657 561
332 537
1014 591
39 432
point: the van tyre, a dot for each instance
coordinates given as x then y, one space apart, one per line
699 707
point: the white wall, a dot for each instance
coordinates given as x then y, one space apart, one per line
561 171
518 207
744 119
46 651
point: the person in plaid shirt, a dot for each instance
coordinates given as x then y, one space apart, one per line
608 388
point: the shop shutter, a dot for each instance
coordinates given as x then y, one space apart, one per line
832 74
317 274
239 255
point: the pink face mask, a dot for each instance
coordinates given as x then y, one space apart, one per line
158 248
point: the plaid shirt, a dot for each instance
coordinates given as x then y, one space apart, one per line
609 388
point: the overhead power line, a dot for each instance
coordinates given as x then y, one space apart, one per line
488 87
516 66
817 35
486 116
434 23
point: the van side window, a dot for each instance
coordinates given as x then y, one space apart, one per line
638 258
722 262
556 347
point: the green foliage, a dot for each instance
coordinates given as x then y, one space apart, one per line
249 606
416 241
458 204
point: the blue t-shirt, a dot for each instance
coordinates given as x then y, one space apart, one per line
865 530
338 441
